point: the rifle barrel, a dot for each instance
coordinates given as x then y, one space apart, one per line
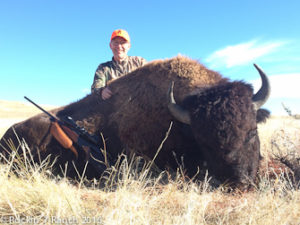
39 107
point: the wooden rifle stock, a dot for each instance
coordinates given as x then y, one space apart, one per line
63 138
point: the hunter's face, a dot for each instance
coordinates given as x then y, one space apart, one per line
119 47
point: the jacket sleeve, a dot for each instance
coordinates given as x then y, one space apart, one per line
143 61
100 80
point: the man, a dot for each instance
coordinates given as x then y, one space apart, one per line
120 64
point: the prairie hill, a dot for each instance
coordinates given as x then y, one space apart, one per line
12 112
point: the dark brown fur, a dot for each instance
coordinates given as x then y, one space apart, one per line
224 124
136 119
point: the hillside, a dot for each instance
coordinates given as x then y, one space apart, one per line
12 112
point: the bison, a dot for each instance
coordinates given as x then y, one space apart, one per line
215 121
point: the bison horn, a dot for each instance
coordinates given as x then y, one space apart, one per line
263 93
178 112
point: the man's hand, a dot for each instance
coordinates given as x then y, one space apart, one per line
106 93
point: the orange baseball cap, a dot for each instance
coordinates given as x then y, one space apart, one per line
120 33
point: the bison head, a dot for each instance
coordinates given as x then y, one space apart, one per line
223 119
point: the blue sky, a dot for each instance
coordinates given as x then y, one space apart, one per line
50 49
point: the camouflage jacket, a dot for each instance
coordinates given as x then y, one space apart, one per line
112 69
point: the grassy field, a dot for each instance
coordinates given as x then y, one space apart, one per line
33 196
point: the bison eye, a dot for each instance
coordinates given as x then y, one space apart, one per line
251 134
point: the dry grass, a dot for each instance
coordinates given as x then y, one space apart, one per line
280 134
132 197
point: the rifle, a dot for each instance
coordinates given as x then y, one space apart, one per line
67 132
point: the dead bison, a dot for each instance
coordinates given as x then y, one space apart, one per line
215 121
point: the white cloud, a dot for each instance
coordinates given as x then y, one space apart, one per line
284 89
242 53
282 85
86 90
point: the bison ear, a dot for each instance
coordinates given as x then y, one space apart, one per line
262 115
